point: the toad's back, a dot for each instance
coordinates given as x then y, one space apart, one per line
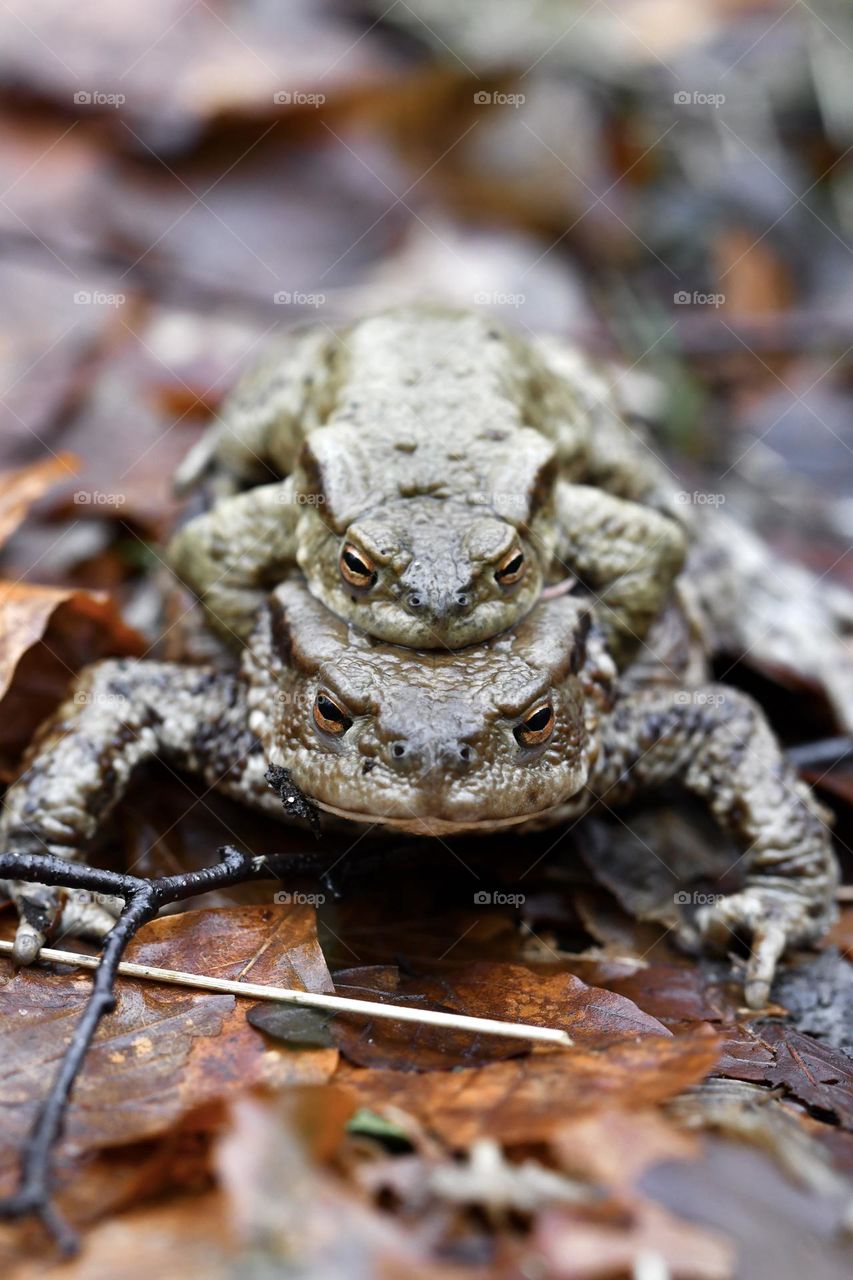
435 403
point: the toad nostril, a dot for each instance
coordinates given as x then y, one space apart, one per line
463 599
398 750
466 754
414 601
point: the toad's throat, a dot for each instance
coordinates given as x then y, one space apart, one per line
426 825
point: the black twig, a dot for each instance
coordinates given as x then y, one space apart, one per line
142 901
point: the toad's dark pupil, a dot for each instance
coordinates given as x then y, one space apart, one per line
357 566
329 711
538 720
512 568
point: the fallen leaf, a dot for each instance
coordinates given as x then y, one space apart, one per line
513 992
677 994
187 1237
772 1053
507 992
165 1050
26 610
46 635
20 488
574 1249
523 1099
292 1026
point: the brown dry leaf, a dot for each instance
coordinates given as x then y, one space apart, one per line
486 989
26 610
46 635
115 1180
165 1050
514 992
677 994
522 1100
772 1053
20 488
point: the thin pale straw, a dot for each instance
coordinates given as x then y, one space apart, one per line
315 999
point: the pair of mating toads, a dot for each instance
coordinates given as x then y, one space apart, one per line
502 618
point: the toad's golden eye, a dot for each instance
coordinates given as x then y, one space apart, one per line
536 727
330 716
356 566
511 568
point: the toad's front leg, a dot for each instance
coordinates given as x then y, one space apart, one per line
626 554
119 714
231 555
716 742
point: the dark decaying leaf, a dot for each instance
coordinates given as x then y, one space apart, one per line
775 1054
292 1026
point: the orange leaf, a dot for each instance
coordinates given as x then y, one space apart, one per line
20 488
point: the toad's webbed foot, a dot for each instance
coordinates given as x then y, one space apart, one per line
47 914
772 919
716 742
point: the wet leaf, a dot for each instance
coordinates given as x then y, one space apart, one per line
164 1051
294 1027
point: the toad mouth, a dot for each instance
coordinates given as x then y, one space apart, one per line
416 824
